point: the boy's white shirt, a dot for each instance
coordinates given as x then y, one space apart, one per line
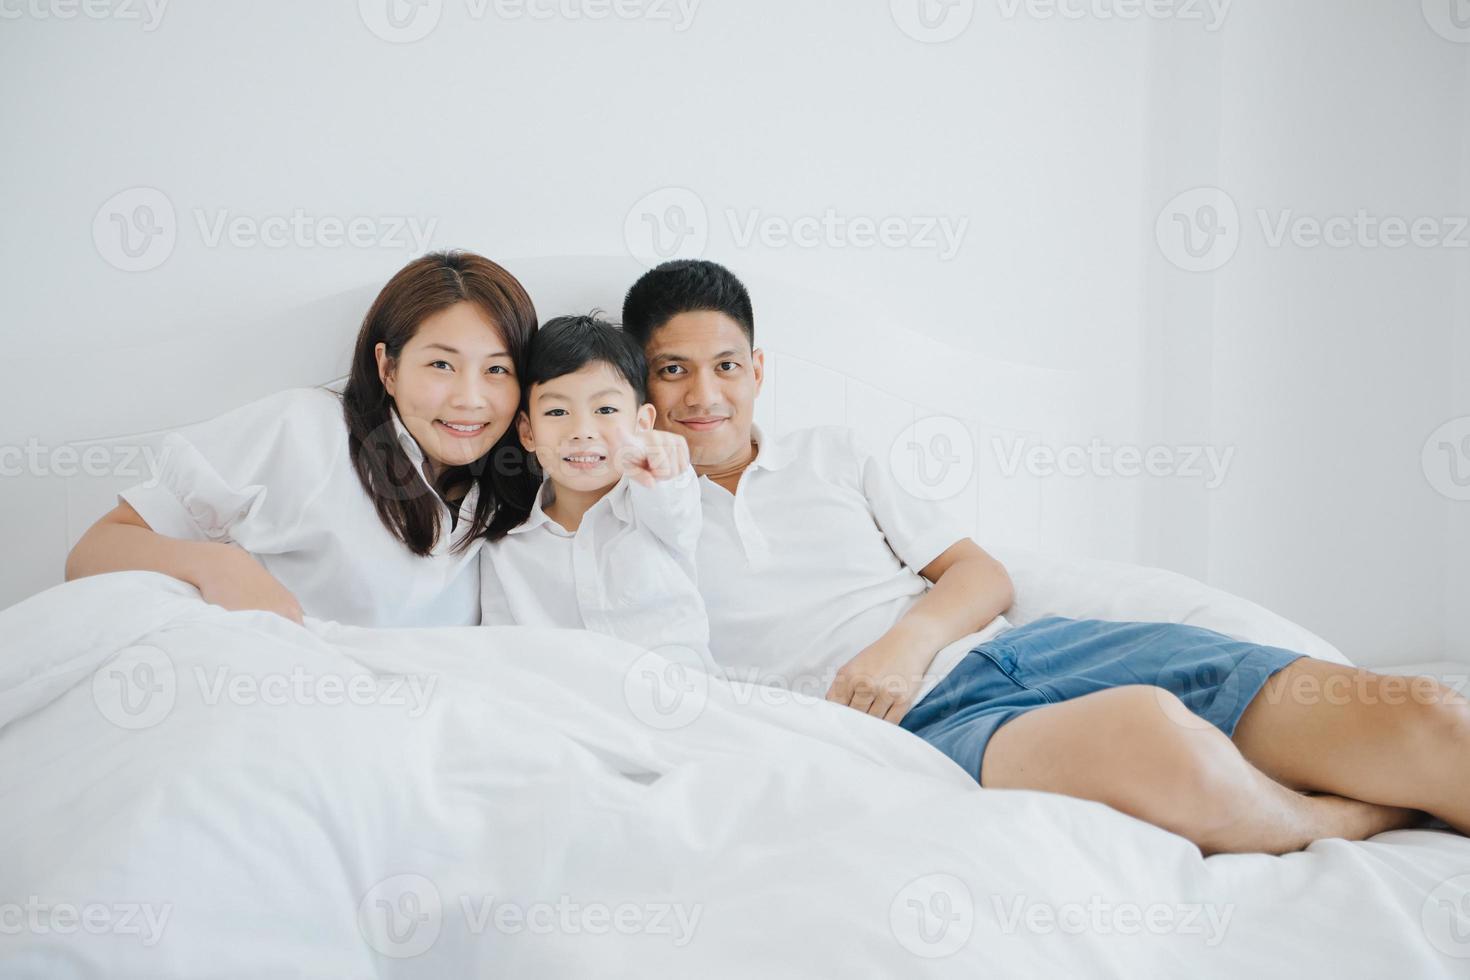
815 557
628 571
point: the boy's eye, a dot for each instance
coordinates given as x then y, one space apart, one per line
606 410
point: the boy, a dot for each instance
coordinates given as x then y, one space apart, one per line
609 543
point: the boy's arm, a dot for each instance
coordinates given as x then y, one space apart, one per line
663 492
670 511
970 589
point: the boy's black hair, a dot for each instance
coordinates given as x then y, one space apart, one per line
566 344
685 286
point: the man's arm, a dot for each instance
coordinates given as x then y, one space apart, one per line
970 588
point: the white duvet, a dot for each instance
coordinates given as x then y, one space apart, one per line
194 793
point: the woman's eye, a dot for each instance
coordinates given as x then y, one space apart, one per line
439 364
556 411
498 368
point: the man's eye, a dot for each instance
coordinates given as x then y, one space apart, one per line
669 369
732 365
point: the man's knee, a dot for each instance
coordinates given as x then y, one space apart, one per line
1136 747
1436 716
1185 773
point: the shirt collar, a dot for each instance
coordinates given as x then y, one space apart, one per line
770 454
410 445
616 499
538 515
415 454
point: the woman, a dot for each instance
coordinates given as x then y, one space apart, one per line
367 508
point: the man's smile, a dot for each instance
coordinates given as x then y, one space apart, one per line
703 423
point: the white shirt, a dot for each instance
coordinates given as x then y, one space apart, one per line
275 478
814 557
628 571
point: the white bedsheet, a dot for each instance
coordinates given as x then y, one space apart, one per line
527 811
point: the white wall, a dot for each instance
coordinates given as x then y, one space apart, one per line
1058 141
1457 542
1326 368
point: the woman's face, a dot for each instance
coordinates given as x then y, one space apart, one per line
454 384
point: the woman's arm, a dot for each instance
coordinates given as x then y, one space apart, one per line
224 574
970 589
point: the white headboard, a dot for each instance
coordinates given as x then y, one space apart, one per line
827 363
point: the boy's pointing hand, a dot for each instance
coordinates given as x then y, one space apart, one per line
654 455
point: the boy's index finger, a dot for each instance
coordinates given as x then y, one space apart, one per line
632 454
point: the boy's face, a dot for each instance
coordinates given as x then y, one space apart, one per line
578 424
703 379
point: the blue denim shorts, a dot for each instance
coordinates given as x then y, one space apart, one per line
1055 659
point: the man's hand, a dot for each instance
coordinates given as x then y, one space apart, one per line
652 456
881 681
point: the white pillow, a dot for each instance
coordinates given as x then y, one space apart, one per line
1089 588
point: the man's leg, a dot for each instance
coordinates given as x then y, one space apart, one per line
1402 741
1136 749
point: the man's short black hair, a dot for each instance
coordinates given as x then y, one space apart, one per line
685 286
566 344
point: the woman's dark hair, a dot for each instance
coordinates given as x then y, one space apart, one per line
420 289
567 344
685 286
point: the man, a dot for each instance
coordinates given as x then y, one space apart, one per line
816 568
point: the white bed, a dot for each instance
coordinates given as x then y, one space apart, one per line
175 826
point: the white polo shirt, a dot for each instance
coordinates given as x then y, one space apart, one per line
814 557
628 571
275 478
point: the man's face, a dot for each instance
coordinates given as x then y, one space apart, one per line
703 378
